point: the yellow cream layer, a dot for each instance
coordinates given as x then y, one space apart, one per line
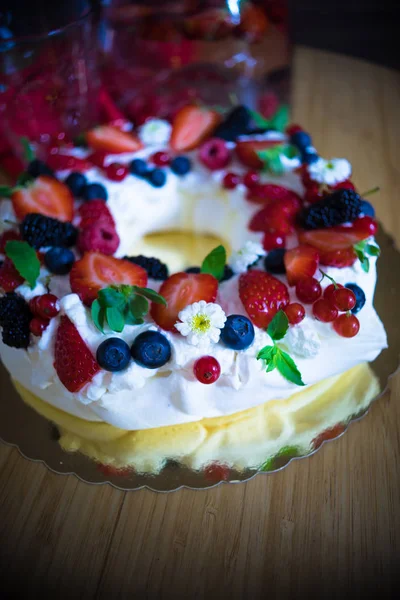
243 440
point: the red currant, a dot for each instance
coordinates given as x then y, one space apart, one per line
45 306
313 193
324 311
230 181
116 172
308 290
344 299
272 240
365 226
251 179
98 158
344 185
38 325
207 369
295 313
347 325
160 159
328 291
292 129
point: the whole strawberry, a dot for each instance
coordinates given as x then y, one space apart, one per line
263 295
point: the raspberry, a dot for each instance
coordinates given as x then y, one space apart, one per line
99 237
9 276
40 231
215 154
154 267
342 206
94 211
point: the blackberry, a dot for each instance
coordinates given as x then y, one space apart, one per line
16 334
37 167
155 268
13 306
342 206
235 124
274 261
40 231
192 270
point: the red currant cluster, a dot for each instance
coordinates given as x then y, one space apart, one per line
44 308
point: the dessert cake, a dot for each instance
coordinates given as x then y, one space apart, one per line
200 290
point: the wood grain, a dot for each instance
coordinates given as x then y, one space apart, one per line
328 525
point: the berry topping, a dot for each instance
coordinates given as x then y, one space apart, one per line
139 167
343 299
365 227
338 258
9 276
324 311
155 268
191 126
215 154
246 151
238 332
251 179
8 236
308 290
359 295
342 206
301 139
272 240
230 181
207 369
367 209
160 159
113 140
295 313
262 295
77 183
274 261
300 262
15 317
40 231
293 128
73 360
59 261
156 177
346 325
180 165
64 162
327 240
271 218
95 271
151 349
99 237
236 123
16 334
44 195
37 167
93 212
45 306
328 291
38 325
314 193
116 172
113 354
95 191
180 290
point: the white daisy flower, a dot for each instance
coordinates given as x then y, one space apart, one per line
331 171
201 322
246 256
155 132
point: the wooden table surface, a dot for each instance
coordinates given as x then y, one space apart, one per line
328 524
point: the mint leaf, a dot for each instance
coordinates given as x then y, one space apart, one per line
130 318
214 263
24 259
281 118
138 306
115 319
109 297
150 295
287 368
275 166
372 250
259 120
98 315
278 326
290 151
267 353
29 155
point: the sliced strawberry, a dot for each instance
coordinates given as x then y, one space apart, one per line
338 258
262 295
73 361
44 195
300 262
272 218
180 290
246 151
112 140
335 238
8 236
96 271
9 276
191 126
94 211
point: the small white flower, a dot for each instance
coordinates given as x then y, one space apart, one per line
303 340
331 171
246 256
155 132
201 323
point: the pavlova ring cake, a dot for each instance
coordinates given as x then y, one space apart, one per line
261 345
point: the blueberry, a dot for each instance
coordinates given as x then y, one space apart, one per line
273 262
359 294
37 167
157 177
367 209
113 354
228 273
95 191
309 157
77 183
301 140
59 260
192 270
181 165
151 349
238 332
139 167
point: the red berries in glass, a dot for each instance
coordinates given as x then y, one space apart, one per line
295 313
272 240
346 325
308 290
343 299
116 172
45 306
160 159
230 181
38 325
251 179
207 369
324 311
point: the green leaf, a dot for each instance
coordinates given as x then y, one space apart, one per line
6 191
290 151
23 179
275 166
138 306
372 250
278 327
98 315
267 353
130 318
214 263
281 118
109 297
25 260
150 295
270 153
29 155
287 368
115 319
259 120
365 264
